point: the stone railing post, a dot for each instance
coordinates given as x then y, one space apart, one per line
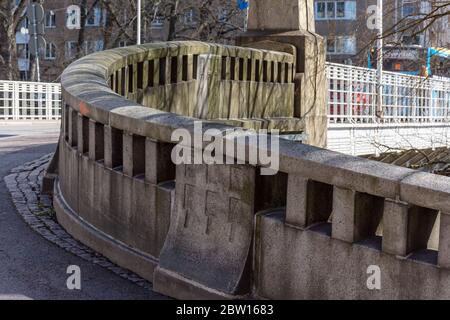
308 202
444 241
406 228
83 134
72 127
158 162
96 141
113 147
356 216
133 154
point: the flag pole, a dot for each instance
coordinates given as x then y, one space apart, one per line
246 18
380 60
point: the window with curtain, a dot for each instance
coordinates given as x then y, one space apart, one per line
335 10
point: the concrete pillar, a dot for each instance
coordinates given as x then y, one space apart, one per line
133 155
356 216
343 227
73 127
158 163
282 15
308 202
134 78
83 134
444 241
113 147
126 81
406 228
65 120
395 228
96 141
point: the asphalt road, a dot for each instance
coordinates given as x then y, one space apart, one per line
30 266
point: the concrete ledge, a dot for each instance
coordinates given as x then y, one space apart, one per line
29 122
119 253
174 285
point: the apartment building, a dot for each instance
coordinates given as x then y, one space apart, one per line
71 33
344 25
348 26
220 22
68 34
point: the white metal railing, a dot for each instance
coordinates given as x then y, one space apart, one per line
351 98
407 99
30 101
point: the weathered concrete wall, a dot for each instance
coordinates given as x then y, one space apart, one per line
215 83
226 231
309 264
129 207
211 233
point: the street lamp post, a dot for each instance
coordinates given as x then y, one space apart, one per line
139 21
380 60
36 46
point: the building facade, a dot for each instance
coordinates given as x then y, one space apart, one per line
350 28
69 34
74 28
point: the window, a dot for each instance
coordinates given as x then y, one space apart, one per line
415 9
73 17
94 17
50 51
122 43
331 46
336 10
93 46
320 10
331 12
408 9
23 51
341 45
340 10
223 15
71 49
157 23
23 75
50 19
189 17
413 40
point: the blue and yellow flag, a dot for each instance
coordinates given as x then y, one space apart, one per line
440 52
436 52
242 4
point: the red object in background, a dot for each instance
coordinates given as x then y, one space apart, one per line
359 103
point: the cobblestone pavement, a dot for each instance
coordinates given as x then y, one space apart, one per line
31 265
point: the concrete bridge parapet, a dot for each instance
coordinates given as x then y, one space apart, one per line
225 231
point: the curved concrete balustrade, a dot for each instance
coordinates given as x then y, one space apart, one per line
226 231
